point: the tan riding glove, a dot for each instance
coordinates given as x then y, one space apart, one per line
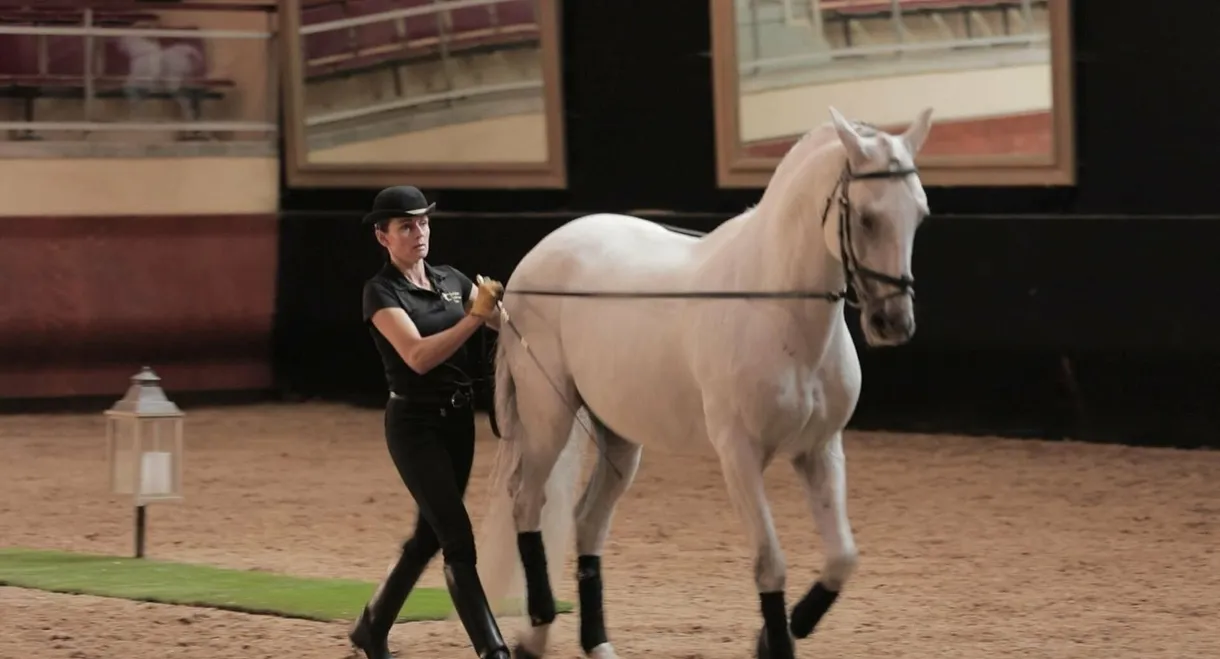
486 304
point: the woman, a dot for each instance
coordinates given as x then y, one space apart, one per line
420 317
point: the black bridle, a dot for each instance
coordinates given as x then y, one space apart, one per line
853 270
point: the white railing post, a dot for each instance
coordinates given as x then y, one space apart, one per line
896 17
89 66
816 23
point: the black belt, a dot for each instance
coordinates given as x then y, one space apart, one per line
461 398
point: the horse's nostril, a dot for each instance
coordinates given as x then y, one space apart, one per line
879 321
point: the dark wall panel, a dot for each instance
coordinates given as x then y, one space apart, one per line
88 300
1076 311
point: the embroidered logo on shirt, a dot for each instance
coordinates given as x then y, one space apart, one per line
450 296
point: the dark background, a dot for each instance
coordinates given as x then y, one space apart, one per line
1086 312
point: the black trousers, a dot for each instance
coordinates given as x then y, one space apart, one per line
432 447
433 450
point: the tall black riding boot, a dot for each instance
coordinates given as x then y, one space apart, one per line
471 603
371 633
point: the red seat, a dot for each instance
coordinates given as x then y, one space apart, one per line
381 33
504 22
18 55
65 55
329 43
516 12
471 19
420 27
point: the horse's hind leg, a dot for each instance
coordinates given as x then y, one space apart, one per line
616 467
822 472
547 428
742 463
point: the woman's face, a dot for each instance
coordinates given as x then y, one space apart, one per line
406 238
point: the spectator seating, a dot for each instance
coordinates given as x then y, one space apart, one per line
34 67
390 42
878 8
843 11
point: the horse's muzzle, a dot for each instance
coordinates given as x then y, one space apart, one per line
889 323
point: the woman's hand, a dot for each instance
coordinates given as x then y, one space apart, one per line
487 294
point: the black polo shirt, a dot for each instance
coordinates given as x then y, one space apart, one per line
432 311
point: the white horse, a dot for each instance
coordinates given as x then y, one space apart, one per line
157 68
755 377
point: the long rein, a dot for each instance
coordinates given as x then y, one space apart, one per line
830 296
852 268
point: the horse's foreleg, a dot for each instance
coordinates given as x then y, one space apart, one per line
616 468
742 465
823 474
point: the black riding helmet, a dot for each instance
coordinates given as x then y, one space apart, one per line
398 201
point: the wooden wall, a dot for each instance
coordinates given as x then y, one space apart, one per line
89 299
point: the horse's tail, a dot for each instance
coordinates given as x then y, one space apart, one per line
499 561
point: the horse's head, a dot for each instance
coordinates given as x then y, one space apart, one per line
881 205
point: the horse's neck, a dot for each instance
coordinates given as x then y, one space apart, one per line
780 246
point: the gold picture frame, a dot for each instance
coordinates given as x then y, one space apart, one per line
300 172
737 169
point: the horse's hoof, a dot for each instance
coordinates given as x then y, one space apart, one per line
519 652
603 651
763 651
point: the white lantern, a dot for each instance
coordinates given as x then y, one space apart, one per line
144 447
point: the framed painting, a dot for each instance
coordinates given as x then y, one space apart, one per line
452 93
997 74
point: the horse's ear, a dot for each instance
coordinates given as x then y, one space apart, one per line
917 132
857 153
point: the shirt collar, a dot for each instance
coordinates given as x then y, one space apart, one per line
433 275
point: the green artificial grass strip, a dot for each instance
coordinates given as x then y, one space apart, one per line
245 591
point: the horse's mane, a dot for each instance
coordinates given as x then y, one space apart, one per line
809 144
805 147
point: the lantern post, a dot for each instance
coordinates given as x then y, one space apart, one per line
144 447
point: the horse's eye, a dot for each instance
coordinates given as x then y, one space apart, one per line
866 222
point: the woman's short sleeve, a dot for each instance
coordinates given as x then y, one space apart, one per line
378 296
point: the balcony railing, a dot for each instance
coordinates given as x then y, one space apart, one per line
113 75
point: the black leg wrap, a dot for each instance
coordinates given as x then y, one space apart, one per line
811 608
774 642
538 596
592 618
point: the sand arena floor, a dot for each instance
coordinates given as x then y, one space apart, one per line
971 548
